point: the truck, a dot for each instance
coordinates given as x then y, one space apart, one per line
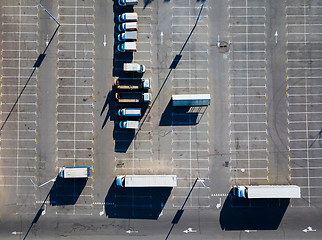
74 172
129 124
183 100
133 97
133 67
132 85
129 112
127 47
127 2
127 36
267 191
128 17
128 26
146 181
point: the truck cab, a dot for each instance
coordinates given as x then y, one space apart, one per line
240 191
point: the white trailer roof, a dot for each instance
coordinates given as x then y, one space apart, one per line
274 191
150 181
191 100
79 172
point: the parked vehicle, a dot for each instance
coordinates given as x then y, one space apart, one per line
129 112
267 191
127 47
133 67
128 17
129 124
191 100
132 84
127 36
128 26
74 172
133 97
146 181
127 2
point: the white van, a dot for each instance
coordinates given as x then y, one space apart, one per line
133 67
128 17
132 26
129 112
127 47
127 2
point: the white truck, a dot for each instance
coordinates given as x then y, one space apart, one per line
183 100
127 2
129 112
129 124
127 47
128 17
267 191
128 26
133 97
74 172
146 181
133 67
132 85
127 36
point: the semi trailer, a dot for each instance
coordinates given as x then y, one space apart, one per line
267 191
146 181
133 97
132 84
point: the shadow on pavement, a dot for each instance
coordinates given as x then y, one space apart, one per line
66 191
189 115
136 203
252 214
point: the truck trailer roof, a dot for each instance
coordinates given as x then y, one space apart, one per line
75 172
150 181
274 191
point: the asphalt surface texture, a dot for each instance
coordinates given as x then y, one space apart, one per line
258 60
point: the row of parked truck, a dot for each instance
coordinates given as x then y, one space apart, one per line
242 191
132 92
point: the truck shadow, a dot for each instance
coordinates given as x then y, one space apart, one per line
252 214
136 203
122 137
181 115
66 191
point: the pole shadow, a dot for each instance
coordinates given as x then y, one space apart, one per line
136 202
173 66
252 214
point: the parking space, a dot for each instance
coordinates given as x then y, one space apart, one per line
304 98
75 99
190 136
248 92
134 148
19 134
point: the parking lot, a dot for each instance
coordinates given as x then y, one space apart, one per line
133 150
248 92
304 99
189 131
19 134
75 86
